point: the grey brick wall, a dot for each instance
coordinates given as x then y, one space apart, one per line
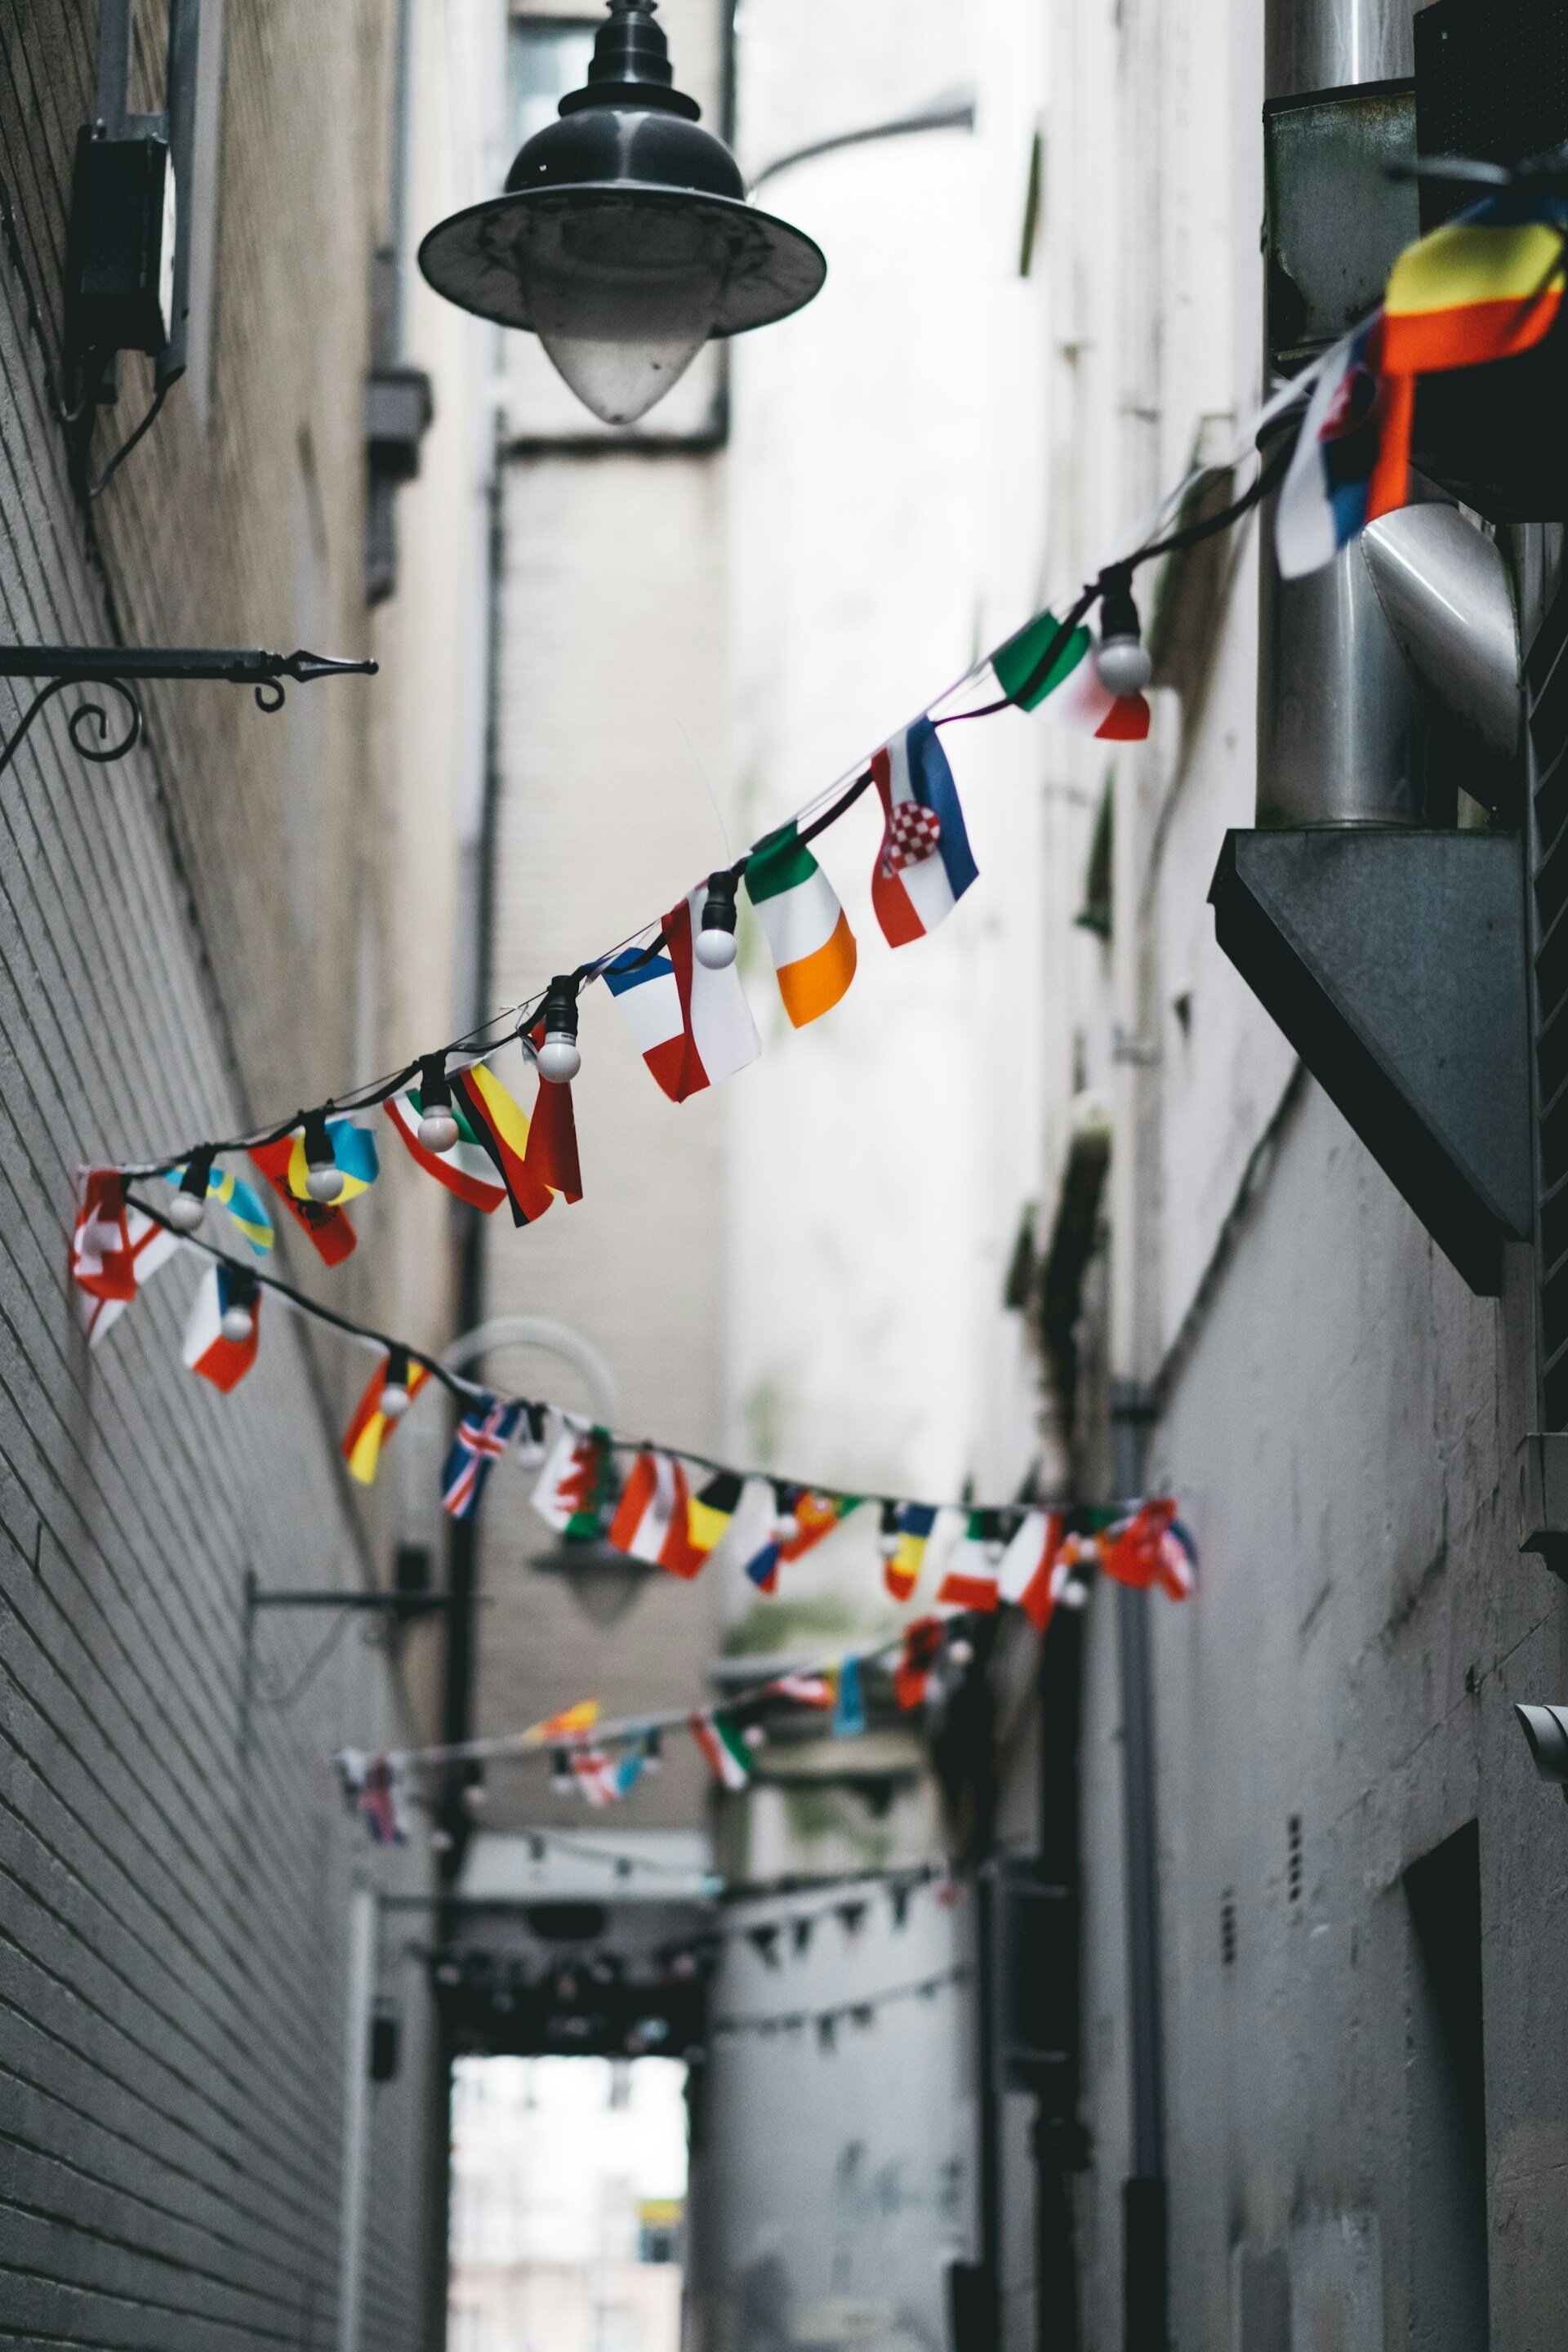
174 1866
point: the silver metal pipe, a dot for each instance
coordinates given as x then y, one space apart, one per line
1342 730
363 1924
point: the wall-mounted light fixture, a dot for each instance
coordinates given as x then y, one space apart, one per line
623 240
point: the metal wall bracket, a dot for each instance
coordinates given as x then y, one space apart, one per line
1541 1459
123 668
1394 962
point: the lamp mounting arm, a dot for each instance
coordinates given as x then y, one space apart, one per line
123 668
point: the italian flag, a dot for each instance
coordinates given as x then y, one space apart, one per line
1071 686
729 1758
466 1170
812 945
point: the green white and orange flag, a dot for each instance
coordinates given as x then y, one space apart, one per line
812 945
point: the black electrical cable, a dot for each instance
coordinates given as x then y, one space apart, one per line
96 490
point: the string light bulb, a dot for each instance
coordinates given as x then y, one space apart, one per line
323 1177
559 1060
438 1127
238 1321
531 1446
888 1539
189 1205
395 1397
1121 658
715 944
561 1774
652 1752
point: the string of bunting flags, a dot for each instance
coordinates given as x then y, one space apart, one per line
1483 288
860 2013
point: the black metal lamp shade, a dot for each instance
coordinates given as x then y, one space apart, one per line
623 240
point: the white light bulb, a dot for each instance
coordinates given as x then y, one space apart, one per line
237 1325
716 949
786 1529
887 1546
185 1212
1124 665
438 1130
559 1060
530 1454
754 1736
324 1184
961 1652
394 1403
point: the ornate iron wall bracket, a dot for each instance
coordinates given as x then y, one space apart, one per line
123 668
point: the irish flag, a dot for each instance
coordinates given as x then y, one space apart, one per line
1071 684
693 1028
729 1758
925 865
369 1430
811 943
223 1362
651 1521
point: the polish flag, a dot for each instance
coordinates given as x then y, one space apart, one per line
223 1362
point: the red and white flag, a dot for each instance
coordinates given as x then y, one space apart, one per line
115 1248
1033 1570
204 1349
652 1517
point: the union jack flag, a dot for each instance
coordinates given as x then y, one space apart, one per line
482 1438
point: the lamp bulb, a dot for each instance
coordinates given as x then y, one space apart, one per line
715 949
529 1453
394 1403
1124 665
185 1212
754 1736
559 1060
238 1325
961 1652
888 1546
324 1184
786 1527
438 1130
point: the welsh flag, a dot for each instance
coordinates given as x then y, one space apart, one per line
574 1489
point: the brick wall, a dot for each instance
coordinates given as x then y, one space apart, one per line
180 948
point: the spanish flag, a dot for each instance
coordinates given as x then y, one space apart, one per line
370 1428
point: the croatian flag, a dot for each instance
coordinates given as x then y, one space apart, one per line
481 1437
652 1520
924 866
223 1362
1348 460
692 1027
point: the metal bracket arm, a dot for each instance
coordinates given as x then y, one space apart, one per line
123 668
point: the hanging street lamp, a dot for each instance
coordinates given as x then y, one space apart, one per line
623 240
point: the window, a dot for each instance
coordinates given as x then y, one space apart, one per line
548 56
